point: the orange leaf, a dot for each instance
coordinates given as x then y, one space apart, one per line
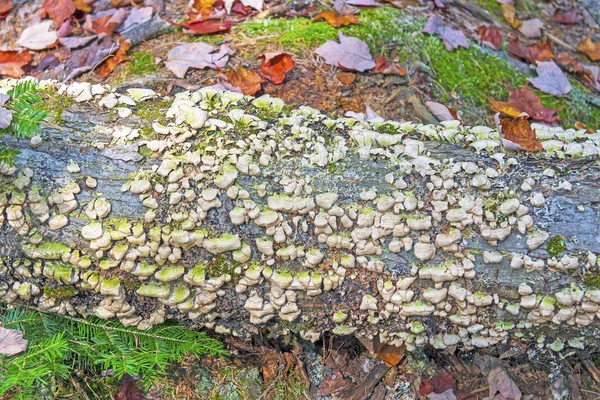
386 67
5 7
336 20
525 101
489 35
390 354
518 135
590 49
83 5
58 10
247 80
120 55
539 51
275 66
11 62
510 15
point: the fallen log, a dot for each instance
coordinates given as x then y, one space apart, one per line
245 215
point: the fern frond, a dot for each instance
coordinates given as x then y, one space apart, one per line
7 155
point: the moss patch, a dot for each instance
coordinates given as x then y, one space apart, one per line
556 245
142 63
55 104
60 292
592 279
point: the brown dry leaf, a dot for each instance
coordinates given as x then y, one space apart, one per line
58 10
12 342
510 15
247 80
389 354
336 20
501 383
11 62
111 62
386 67
202 9
517 135
443 112
525 101
539 51
128 390
587 73
590 49
489 36
346 78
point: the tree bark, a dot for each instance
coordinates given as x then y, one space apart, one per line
283 220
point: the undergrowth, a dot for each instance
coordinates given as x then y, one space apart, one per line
59 346
28 112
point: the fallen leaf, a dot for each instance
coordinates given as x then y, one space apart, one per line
343 8
443 112
12 61
452 38
447 395
84 59
204 7
516 135
386 67
525 101
569 16
498 379
136 17
105 21
83 5
38 36
351 53
531 28
197 55
11 341
336 20
437 384
587 73
205 27
5 7
390 354
539 51
346 78
256 4
128 390
510 15
115 59
551 79
489 36
590 49
247 80
275 66
72 42
58 10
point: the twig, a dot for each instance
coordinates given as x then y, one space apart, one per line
557 40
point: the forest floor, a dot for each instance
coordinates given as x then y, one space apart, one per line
417 78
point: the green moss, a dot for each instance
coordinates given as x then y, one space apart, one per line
491 6
142 63
592 279
55 104
60 292
556 245
295 33
221 265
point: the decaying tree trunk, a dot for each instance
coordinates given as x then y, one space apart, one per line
241 214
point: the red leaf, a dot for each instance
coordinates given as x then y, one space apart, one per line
5 7
489 36
587 73
128 390
107 23
205 27
275 66
111 62
539 51
525 101
386 67
569 16
58 10
247 80
12 61
437 384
